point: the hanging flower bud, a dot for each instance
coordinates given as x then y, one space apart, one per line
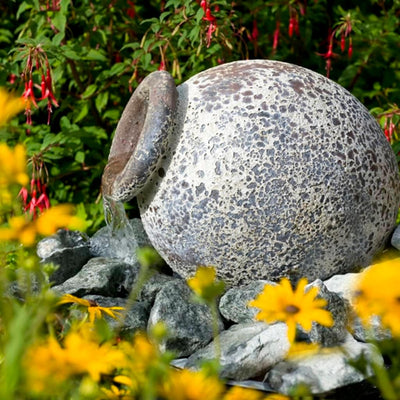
291 26
276 36
350 49
343 42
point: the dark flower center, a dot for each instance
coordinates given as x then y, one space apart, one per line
292 309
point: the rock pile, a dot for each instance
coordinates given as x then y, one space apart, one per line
96 268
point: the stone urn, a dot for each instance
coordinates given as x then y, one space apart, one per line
259 168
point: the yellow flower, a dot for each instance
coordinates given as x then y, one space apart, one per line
142 354
277 396
302 349
94 310
59 216
21 229
204 283
24 230
12 165
9 106
121 390
281 303
48 364
377 293
191 385
239 393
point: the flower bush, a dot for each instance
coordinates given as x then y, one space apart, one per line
71 67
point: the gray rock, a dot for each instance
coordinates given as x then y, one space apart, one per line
68 250
121 244
325 371
234 306
343 285
247 350
133 319
102 276
339 309
395 240
374 332
189 323
153 285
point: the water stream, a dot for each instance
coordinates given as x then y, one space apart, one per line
120 230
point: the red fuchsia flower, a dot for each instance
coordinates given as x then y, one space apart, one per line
276 35
28 94
350 49
293 22
342 42
47 93
12 78
329 54
209 18
389 129
38 199
254 33
303 7
162 66
131 10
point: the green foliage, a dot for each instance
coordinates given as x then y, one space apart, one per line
98 51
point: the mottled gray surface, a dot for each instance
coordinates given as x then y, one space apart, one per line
395 239
325 371
189 323
247 350
101 276
339 309
271 170
67 250
233 305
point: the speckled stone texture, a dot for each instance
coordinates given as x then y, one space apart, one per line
271 170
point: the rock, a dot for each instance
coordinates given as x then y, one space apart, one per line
395 240
153 285
247 350
233 304
101 276
325 371
343 285
136 316
261 168
189 323
68 250
104 243
374 332
339 309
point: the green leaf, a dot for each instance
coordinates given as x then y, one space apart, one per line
80 157
199 15
57 39
116 69
95 55
22 8
83 111
59 21
164 15
133 45
146 60
71 54
101 101
90 90
112 114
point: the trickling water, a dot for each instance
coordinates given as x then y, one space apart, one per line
122 236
